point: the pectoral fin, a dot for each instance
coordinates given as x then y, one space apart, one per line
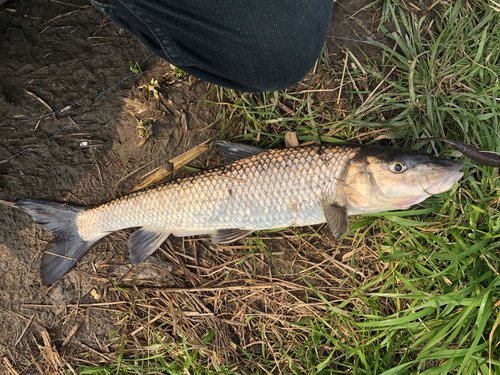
336 217
143 242
229 235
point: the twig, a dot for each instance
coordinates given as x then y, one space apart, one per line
24 330
357 62
151 321
57 17
94 351
216 289
6 203
9 366
74 305
52 354
342 80
41 101
131 173
26 43
72 332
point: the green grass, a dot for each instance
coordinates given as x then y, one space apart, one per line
434 306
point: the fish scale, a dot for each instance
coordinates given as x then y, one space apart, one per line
273 189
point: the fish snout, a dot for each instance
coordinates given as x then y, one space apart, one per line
448 181
451 165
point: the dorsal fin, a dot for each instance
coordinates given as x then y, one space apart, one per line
236 151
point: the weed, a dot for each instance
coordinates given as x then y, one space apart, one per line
135 67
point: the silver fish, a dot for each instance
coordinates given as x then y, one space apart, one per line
258 189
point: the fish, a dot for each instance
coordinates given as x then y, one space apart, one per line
475 154
257 189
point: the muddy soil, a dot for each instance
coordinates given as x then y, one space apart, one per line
70 116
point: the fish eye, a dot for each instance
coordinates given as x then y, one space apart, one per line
397 166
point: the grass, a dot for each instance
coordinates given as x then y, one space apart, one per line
404 292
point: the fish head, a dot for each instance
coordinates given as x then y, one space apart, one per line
381 179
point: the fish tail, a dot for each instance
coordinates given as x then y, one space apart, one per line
68 246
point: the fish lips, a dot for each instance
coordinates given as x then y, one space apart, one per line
453 167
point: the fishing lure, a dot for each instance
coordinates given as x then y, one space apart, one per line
473 153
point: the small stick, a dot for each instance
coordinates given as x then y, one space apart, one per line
342 81
24 330
41 101
182 290
94 351
72 332
10 204
38 123
131 173
357 62
51 353
74 305
151 321
26 43
9 366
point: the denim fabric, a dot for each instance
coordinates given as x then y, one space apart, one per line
246 45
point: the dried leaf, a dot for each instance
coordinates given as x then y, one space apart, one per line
291 139
177 163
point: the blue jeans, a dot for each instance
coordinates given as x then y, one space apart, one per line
246 45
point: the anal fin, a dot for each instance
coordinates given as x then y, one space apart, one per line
229 235
144 241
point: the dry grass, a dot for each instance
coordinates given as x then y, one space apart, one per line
229 304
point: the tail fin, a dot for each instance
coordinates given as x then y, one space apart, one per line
68 247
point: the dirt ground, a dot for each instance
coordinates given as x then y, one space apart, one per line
69 114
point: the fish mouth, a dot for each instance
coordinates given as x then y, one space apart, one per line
445 184
437 188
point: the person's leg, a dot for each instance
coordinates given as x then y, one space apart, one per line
246 45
